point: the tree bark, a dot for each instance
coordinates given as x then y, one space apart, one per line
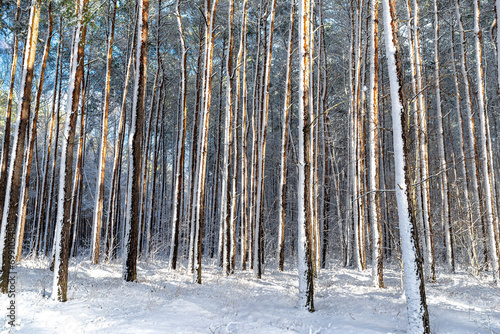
13 187
486 161
306 277
99 200
284 145
418 317
135 147
63 219
374 152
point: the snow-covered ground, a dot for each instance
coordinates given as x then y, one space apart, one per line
168 302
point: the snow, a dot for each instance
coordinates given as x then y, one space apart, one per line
164 301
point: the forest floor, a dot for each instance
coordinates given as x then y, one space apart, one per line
162 301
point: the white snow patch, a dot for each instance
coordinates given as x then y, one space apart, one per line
163 301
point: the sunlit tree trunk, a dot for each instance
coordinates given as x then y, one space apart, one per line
99 200
199 201
373 148
13 186
28 157
486 163
305 265
8 116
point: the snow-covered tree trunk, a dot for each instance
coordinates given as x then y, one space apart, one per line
200 76
354 133
284 145
28 157
99 200
13 186
178 187
8 115
135 146
236 159
373 152
63 218
253 161
199 201
305 265
486 163
418 317
443 165
225 221
325 189
417 192
241 102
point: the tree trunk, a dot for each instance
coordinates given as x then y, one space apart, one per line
486 162
135 147
178 188
244 131
284 145
374 153
12 192
423 160
443 166
306 277
28 157
8 116
418 317
199 207
63 220
99 201
225 221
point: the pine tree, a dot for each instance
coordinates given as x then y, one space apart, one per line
135 146
13 189
63 219
416 304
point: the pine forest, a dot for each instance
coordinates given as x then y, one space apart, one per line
250 166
